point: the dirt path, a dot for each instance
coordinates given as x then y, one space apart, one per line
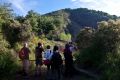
45 76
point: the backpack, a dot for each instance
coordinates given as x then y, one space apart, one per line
39 52
47 61
50 55
21 54
57 59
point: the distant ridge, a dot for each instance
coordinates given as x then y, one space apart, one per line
81 17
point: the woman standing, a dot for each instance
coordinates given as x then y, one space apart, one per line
47 55
56 62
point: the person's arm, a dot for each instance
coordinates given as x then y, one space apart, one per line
60 59
43 50
50 56
45 54
29 51
35 53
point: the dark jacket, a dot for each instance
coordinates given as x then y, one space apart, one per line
38 52
56 60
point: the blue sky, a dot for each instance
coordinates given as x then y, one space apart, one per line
21 7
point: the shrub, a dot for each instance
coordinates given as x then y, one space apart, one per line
8 64
84 38
16 32
65 37
112 67
104 52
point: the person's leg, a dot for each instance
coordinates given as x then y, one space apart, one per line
67 69
37 67
40 65
36 70
27 63
53 72
48 67
52 68
25 67
71 70
59 73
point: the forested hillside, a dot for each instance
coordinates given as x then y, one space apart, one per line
96 35
82 17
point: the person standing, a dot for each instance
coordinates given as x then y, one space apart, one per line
47 55
72 47
68 60
56 62
24 56
38 58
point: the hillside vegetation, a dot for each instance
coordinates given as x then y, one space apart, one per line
81 17
100 49
96 33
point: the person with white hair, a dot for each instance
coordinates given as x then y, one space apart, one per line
24 56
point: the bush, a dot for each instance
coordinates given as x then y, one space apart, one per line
14 31
8 64
104 52
84 38
65 37
112 67
90 58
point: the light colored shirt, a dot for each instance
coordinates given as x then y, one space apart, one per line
48 54
71 48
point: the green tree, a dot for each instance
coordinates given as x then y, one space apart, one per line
33 18
21 19
104 53
6 12
25 31
84 38
46 24
15 31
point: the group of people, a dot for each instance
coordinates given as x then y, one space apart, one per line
51 58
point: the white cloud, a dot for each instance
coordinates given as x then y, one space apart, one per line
24 5
19 4
109 6
73 0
